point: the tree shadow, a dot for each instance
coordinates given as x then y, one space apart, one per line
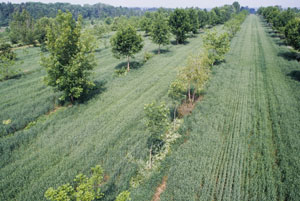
295 75
133 65
162 51
288 55
174 42
98 89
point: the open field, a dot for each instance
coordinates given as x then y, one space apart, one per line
242 141
102 131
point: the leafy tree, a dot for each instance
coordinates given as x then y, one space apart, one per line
236 6
282 19
124 196
177 93
213 18
203 18
41 30
157 124
194 21
84 188
126 42
71 57
7 60
160 31
292 33
22 28
146 24
179 23
216 45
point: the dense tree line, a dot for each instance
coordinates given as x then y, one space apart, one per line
285 21
38 10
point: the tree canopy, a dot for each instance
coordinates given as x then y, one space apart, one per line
71 59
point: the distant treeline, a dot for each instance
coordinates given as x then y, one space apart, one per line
39 10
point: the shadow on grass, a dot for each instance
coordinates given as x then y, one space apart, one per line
133 65
162 51
295 75
98 89
174 42
288 55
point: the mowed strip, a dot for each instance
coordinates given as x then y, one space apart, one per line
244 135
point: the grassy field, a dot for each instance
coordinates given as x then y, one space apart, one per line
103 130
242 141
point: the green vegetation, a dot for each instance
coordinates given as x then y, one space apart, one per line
126 43
103 130
84 189
160 33
241 140
232 94
287 22
179 24
71 60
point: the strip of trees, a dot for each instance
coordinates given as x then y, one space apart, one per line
285 21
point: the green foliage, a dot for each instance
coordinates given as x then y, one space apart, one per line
147 56
84 189
292 33
250 111
160 33
179 24
41 30
71 140
22 28
193 20
120 72
70 58
38 10
126 42
217 45
237 6
146 24
124 196
156 118
203 18
7 61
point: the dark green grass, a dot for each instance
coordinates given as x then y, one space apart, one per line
102 130
243 138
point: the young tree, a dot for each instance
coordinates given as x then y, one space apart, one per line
160 31
216 45
124 196
41 30
236 6
146 24
176 92
179 23
7 60
84 188
157 124
126 42
194 21
292 33
22 28
202 18
71 57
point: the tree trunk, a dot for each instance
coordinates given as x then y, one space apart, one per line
128 65
174 120
189 93
72 99
150 157
159 49
194 94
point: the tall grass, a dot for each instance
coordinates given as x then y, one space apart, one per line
102 130
243 138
